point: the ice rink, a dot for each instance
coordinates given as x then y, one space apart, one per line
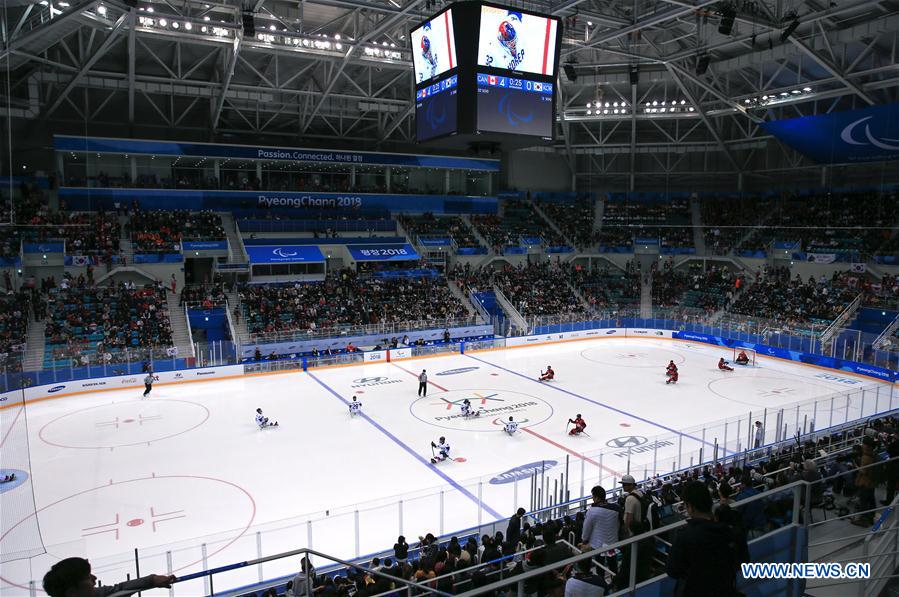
187 477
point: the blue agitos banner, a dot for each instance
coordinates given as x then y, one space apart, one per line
403 252
865 135
51 247
285 254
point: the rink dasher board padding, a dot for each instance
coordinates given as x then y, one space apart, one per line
100 384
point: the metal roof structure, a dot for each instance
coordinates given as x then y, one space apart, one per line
641 110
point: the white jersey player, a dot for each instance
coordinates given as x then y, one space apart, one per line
511 426
355 407
263 421
467 410
443 450
429 55
504 48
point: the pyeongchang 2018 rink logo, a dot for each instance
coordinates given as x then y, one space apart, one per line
523 472
458 371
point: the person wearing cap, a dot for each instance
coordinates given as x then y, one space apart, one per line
632 525
72 577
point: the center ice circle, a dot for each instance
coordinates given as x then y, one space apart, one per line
444 409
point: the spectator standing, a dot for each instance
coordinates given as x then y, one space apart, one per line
633 525
601 523
513 530
892 472
865 483
759 434
704 556
72 577
300 585
401 550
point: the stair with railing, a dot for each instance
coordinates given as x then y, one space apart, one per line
866 328
240 322
646 296
236 251
180 326
477 234
829 337
485 302
696 219
516 319
34 352
550 223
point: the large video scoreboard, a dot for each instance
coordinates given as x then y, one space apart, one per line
485 72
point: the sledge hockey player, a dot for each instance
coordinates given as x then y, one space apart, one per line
428 54
466 409
671 372
355 407
549 375
722 364
579 425
504 51
263 421
510 426
742 359
443 448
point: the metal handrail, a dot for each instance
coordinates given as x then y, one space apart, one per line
842 318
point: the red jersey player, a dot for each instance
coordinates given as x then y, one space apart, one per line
671 372
722 364
549 375
579 425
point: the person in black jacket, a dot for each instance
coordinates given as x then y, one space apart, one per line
705 555
72 577
513 531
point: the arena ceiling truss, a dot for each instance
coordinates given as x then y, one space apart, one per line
663 87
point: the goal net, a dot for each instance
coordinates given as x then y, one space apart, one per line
750 355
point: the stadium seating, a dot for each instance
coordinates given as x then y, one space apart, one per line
431 226
575 220
105 324
694 287
669 222
163 231
534 289
794 304
519 226
607 287
205 296
344 299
